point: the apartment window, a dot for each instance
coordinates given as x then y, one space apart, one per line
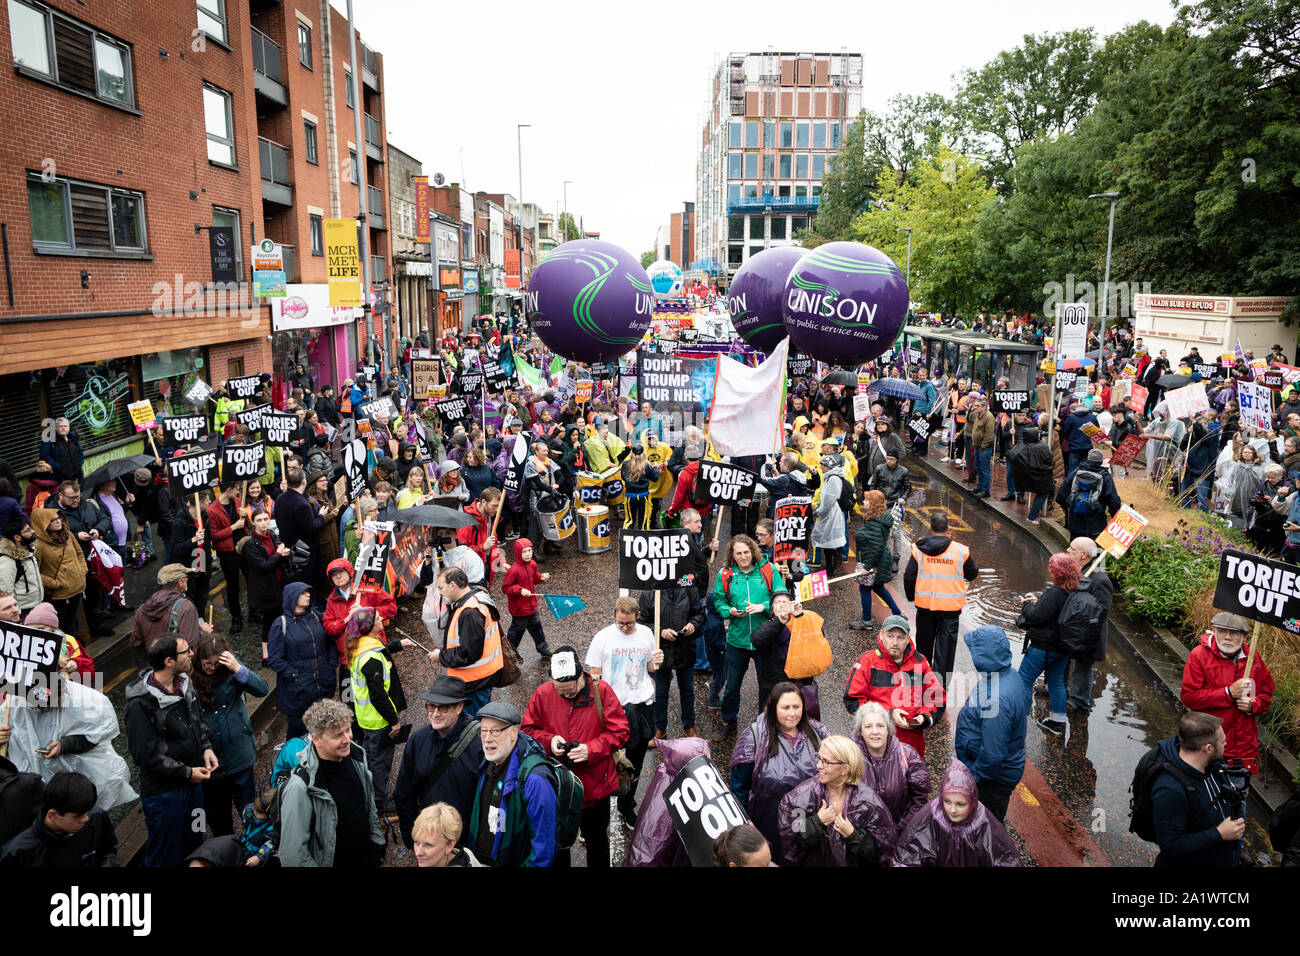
212 18
756 230
735 255
819 135
817 189
220 127
309 128
755 250
751 165
801 139
751 192
736 227
769 165
778 227
733 138
785 166
835 135
352 167
801 166
798 223
230 217
733 165
70 53
751 134
819 166
304 45
347 88
317 235
787 135
67 216
733 192
769 134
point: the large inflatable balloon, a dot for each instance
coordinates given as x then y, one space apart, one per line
666 279
757 293
844 303
589 300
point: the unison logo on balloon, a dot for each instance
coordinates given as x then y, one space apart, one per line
844 303
590 300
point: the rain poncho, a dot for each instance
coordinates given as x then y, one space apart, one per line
931 839
655 841
760 781
82 711
899 778
806 842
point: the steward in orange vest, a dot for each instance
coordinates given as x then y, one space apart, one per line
472 645
935 581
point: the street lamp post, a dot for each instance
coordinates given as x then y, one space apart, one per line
908 230
519 130
564 224
1105 282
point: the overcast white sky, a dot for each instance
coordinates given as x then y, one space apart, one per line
615 91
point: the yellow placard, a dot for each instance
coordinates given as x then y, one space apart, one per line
1049 368
1121 532
342 262
437 393
142 415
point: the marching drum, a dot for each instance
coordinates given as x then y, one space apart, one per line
556 525
593 529
612 482
590 488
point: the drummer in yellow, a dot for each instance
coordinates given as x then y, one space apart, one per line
604 449
658 453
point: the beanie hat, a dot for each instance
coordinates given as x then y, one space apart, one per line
42 615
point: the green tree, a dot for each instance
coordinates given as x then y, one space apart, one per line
1043 87
909 131
941 204
647 258
568 227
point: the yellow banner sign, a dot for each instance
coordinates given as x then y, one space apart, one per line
1121 532
343 262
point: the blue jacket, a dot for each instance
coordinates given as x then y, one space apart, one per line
990 737
925 403
527 826
228 723
1073 434
304 659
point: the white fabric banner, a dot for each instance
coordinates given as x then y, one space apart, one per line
748 413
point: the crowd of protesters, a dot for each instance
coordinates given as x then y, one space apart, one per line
485 783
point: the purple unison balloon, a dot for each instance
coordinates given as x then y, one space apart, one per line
756 296
844 303
590 301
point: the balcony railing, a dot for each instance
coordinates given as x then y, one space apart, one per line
774 204
375 207
275 162
372 130
377 273
267 56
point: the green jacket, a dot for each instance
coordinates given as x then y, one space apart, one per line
872 542
309 819
745 588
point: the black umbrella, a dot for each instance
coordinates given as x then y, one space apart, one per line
839 376
1173 380
113 470
433 516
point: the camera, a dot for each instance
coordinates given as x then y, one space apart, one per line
567 746
1234 781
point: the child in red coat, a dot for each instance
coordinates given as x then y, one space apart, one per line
521 598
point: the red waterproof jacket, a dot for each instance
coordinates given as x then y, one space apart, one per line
910 686
337 607
223 538
522 575
1206 677
550 715
684 495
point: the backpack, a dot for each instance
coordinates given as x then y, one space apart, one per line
1079 623
1149 769
848 497
174 623
1085 493
765 569
568 796
40 499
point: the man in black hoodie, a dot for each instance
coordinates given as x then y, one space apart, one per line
1088 497
1030 461
70 831
170 743
1194 825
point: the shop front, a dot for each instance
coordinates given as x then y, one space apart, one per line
307 330
1214 324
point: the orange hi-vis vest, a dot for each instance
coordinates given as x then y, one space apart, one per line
491 661
940 584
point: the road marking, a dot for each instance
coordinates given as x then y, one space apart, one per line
119 678
955 522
